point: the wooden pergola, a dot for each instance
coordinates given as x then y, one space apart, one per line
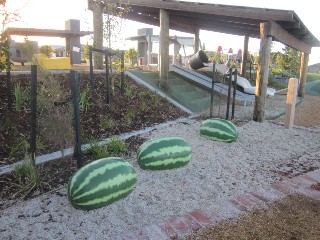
266 24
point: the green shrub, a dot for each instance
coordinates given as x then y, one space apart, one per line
106 123
21 96
115 147
84 100
26 175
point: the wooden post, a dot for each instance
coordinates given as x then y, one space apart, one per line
303 73
262 73
196 40
244 56
98 34
149 52
291 103
164 49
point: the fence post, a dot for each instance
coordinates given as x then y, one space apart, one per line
91 71
107 84
122 73
76 103
33 118
229 93
234 93
212 88
9 90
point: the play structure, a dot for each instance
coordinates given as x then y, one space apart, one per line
200 60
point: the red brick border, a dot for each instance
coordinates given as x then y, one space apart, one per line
178 227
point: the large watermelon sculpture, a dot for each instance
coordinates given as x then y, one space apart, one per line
164 153
101 182
218 129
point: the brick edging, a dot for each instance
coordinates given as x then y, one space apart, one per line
179 227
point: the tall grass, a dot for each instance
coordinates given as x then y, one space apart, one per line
311 77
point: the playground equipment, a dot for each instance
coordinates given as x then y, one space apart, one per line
200 60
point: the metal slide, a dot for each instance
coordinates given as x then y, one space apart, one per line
207 82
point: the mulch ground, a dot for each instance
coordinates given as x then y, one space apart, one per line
296 217
137 109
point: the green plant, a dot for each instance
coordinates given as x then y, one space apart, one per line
86 51
26 175
46 50
98 151
276 85
143 106
106 123
165 100
116 146
156 99
132 55
84 100
129 91
9 125
23 145
21 95
143 95
55 120
130 116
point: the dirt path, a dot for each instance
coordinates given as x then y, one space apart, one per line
307 113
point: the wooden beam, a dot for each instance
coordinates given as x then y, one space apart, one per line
199 21
244 56
216 9
289 25
217 18
303 73
164 49
262 73
156 22
280 35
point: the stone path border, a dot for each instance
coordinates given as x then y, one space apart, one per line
181 226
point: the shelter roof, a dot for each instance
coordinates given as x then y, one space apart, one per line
236 20
187 41
45 32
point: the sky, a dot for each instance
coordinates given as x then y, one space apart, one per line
53 14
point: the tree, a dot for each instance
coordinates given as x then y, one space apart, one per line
5 17
28 49
86 51
288 61
132 55
46 50
113 21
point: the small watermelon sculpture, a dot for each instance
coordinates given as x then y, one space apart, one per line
100 183
164 153
218 129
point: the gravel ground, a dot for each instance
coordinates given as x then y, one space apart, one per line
217 170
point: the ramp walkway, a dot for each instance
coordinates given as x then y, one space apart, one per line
181 90
206 82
